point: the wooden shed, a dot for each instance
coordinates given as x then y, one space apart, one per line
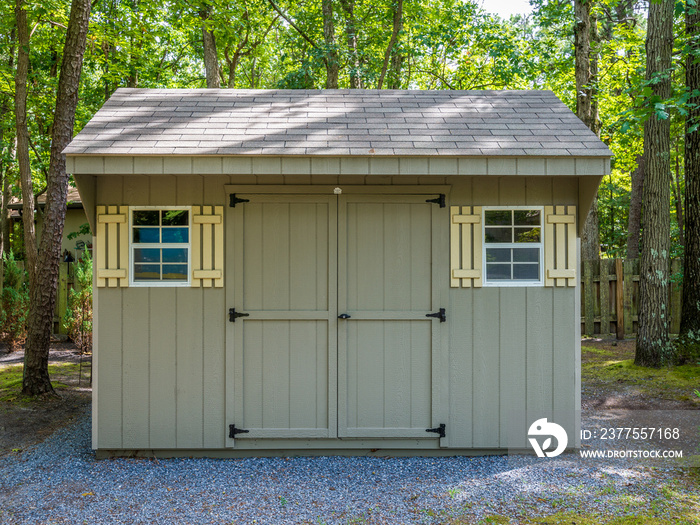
327 272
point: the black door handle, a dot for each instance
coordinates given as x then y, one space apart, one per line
343 316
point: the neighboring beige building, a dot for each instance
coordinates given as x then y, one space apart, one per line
319 272
75 218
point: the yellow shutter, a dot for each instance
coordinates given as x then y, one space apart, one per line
465 247
208 246
112 250
560 257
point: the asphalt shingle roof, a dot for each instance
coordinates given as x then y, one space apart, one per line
335 122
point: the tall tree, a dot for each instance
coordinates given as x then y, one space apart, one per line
392 55
211 60
652 337
22 130
690 315
586 72
6 154
634 220
332 62
348 7
43 297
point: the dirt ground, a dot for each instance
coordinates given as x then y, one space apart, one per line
24 421
603 390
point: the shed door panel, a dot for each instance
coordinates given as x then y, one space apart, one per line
385 286
284 273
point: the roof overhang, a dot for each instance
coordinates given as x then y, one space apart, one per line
329 165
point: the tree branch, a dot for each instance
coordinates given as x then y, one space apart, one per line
291 23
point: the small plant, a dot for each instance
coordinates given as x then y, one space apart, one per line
15 303
78 317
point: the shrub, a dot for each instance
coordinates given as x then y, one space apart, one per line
78 318
14 302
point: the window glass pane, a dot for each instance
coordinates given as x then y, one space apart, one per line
526 254
526 272
498 234
527 235
175 235
177 217
146 272
145 217
175 272
498 272
174 255
144 235
147 255
497 255
527 217
498 217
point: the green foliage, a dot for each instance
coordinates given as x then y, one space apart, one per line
444 44
14 302
84 229
78 317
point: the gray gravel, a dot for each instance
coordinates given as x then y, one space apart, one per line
59 481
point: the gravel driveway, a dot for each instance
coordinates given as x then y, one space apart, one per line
59 481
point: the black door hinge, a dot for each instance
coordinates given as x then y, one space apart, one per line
440 200
440 431
232 431
440 314
233 315
236 200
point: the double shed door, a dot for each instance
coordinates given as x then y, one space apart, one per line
300 262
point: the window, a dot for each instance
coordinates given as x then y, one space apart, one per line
160 246
513 246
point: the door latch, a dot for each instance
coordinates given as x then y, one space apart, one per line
440 314
344 316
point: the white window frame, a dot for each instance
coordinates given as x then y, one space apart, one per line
132 246
485 246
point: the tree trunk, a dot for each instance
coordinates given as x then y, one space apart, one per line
690 314
351 42
391 52
6 196
586 69
43 299
4 158
652 336
634 223
590 245
211 61
332 63
676 190
25 172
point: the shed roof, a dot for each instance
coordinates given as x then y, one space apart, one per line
361 123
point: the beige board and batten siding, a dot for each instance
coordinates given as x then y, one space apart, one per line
160 360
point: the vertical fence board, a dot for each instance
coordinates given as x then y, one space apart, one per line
605 296
619 300
628 287
589 297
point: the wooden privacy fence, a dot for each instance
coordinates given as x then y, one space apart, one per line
608 308
66 282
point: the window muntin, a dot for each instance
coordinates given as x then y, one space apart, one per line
512 246
160 246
